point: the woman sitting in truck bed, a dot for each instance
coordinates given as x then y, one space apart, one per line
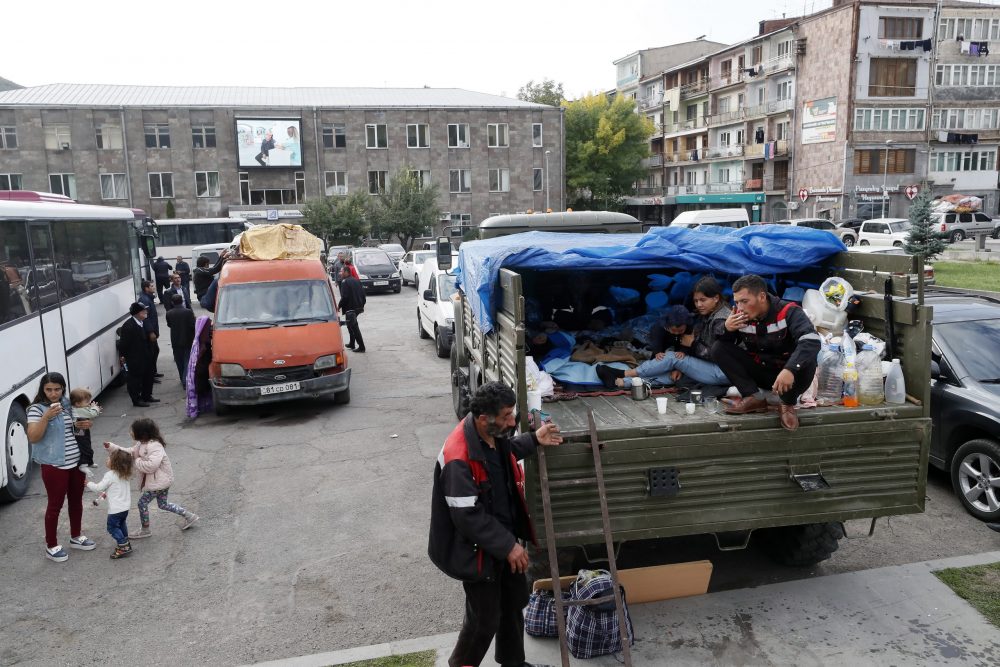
687 352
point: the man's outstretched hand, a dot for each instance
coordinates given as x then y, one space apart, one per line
548 435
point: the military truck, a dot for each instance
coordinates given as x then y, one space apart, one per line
731 476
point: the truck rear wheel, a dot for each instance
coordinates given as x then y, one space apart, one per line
802 546
459 386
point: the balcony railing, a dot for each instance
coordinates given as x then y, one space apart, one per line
753 185
724 117
694 88
725 187
778 106
692 155
684 125
757 150
650 191
675 190
724 151
726 79
653 161
651 101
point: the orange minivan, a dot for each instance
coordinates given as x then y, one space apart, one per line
276 335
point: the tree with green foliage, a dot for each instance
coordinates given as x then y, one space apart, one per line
546 91
606 141
341 220
407 207
923 239
170 211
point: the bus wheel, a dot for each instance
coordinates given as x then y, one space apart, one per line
17 453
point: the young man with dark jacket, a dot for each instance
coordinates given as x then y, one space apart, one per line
767 344
203 275
352 303
479 519
161 271
180 319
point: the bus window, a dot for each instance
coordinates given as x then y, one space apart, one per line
14 257
89 255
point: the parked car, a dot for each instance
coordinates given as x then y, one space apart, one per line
375 270
884 232
965 397
409 266
957 227
722 217
846 235
850 223
436 307
871 250
394 250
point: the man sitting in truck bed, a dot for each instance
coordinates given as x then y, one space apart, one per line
781 345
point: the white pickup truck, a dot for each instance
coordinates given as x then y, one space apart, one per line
955 227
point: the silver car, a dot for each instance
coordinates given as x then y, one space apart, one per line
846 235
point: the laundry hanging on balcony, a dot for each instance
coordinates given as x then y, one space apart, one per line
770 150
758 136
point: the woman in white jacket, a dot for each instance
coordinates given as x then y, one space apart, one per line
156 474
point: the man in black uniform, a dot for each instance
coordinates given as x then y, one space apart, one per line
180 319
161 271
479 519
352 303
134 350
779 348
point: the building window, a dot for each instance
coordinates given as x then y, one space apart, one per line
63 184
725 139
458 135
271 196
784 91
460 224
300 187
245 188
335 136
376 136
57 137
157 135
895 120
10 182
460 180
499 180
422 177
963 160
966 119
114 186
970 29
784 48
782 130
536 135
8 138
203 136
724 174
974 76
335 183
108 137
872 161
206 184
161 185
723 105
537 179
756 54
898 27
416 136
376 182
892 77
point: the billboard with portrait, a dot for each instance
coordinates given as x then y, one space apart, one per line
269 142
819 121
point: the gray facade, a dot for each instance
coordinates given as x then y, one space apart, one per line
71 139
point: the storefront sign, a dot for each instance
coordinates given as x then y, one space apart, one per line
803 194
911 191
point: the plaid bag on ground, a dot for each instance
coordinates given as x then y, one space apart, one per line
593 630
540 614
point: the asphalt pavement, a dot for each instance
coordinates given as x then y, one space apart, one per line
313 529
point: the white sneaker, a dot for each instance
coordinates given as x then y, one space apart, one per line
57 554
144 531
82 543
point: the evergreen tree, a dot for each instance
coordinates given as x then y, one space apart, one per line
922 239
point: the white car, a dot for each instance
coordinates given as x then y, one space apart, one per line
436 307
409 266
884 232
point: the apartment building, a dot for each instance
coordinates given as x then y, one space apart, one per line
262 152
639 66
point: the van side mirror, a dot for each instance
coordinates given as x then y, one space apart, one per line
443 249
428 295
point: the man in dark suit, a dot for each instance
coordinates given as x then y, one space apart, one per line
134 351
161 271
183 269
352 303
180 319
152 325
176 287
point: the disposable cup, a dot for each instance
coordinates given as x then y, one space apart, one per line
661 404
690 408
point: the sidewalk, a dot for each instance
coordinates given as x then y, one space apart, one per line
899 615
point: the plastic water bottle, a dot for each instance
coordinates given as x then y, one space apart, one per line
830 369
850 351
850 385
870 389
895 385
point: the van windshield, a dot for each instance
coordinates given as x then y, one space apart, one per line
274 303
446 286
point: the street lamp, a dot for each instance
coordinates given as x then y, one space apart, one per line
547 180
885 176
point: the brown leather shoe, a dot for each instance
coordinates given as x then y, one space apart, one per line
746 405
789 420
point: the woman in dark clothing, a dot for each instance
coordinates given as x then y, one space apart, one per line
199 388
202 276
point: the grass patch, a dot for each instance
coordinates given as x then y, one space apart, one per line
419 659
970 275
978 585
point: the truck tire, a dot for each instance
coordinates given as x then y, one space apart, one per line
18 455
996 233
802 546
972 467
442 348
420 327
957 235
459 386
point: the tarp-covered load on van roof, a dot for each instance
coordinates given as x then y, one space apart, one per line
281 241
761 249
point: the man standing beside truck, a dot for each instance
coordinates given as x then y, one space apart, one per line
352 303
767 344
479 519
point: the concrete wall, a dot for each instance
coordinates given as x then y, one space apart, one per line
869 46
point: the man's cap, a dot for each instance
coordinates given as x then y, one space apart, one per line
136 308
677 316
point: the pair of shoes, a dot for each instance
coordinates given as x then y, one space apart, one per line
360 349
150 399
190 518
82 543
57 554
140 404
144 531
746 405
789 420
350 346
120 552
157 375
608 375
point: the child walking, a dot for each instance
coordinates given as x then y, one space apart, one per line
84 409
150 459
115 487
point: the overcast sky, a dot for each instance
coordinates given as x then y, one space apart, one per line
491 47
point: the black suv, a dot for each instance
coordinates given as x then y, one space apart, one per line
375 270
965 397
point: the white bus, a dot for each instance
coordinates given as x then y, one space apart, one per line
177 236
68 273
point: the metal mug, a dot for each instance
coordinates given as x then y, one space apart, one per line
640 390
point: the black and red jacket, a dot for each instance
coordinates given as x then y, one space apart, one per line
784 338
465 536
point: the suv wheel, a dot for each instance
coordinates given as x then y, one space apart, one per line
443 349
848 240
975 467
864 243
957 235
897 244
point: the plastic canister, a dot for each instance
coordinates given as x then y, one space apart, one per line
830 375
870 389
822 314
895 385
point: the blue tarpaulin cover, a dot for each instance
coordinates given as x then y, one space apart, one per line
760 249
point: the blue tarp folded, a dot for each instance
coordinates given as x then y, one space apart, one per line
760 249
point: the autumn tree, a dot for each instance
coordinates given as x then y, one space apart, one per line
606 141
546 91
